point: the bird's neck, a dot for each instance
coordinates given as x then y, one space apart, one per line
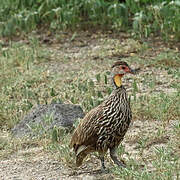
117 80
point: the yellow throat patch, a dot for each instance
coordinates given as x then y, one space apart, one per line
118 80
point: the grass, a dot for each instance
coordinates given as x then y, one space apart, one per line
142 18
34 73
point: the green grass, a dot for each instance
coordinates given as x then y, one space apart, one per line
35 73
21 80
142 18
161 107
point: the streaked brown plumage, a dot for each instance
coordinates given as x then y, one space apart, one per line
104 126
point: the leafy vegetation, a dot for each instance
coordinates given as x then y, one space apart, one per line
141 17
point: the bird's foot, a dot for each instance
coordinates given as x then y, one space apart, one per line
120 163
104 169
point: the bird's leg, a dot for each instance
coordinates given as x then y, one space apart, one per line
114 157
101 156
102 163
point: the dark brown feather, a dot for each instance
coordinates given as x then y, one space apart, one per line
104 126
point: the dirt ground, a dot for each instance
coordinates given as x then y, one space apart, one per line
36 164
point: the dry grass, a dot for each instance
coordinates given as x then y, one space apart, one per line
77 71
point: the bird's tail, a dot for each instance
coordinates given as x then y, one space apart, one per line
80 154
79 158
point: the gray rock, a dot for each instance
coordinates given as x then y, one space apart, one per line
44 117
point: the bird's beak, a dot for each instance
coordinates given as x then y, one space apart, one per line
134 71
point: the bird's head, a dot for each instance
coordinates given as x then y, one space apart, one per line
119 69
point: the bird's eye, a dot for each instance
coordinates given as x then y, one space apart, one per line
123 67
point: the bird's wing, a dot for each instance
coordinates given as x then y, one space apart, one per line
86 132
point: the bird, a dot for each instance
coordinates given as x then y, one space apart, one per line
104 127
